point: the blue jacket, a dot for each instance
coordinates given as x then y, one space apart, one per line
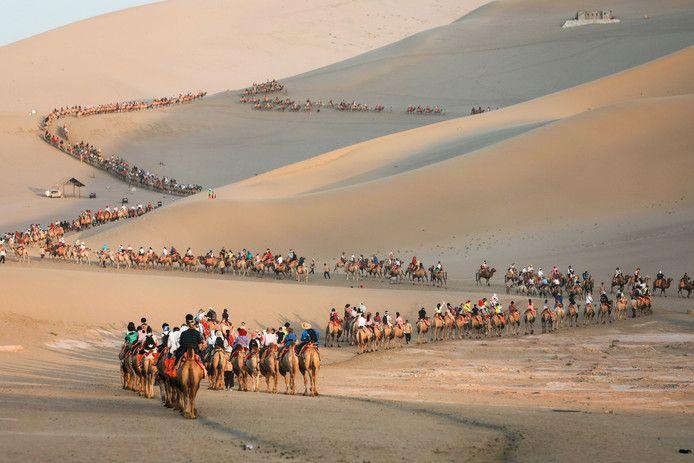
309 335
289 338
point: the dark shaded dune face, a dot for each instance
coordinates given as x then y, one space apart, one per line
501 54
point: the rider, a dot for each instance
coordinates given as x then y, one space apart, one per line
131 335
617 272
531 307
586 275
512 307
422 314
467 307
308 335
484 265
189 337
387 319
660 275
334 317
570 271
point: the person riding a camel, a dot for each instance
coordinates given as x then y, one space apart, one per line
512 307
189 337
307 335
189 253
374 259
387 318
484 265
617 272
685 278
131 335
422 314
141 251
164 252
555 271
531 307
398 319
439 267
637 273
570 271
660 276
467 307
165 330
268 257
512 268
291 256
241 340
210 254
334 317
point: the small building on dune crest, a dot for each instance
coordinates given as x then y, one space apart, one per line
585 17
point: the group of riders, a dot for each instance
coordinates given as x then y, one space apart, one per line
241 262
51 239
217 349
115 165
392 267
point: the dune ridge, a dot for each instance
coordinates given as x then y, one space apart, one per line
482 185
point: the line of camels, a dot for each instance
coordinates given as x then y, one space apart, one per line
179 384
456 323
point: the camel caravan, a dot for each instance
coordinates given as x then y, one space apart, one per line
484 318
51 239
204 347
258 95
242 263
391 268
114 165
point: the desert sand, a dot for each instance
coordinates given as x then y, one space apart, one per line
586 162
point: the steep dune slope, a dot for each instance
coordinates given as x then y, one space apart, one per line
501 54
181 45
592 155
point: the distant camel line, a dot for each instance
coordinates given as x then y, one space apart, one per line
114 165
283 104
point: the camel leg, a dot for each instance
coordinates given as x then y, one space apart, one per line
305 374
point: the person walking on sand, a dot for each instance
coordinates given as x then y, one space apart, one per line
407 330
326 271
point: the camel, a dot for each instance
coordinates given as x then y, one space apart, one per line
238 360
394 272
253 368
618 281
302 274
514 320
422 329
662 284
21 253
497 323
685 285
217 366
352 269
189 375
484 274
398 335
588 314
561 315
418 274
123 258
641 306
269 368
478 324
529 321
605 312
340 264
332 334
149 373
309 366
439 328
621 307
288 367
165 386
547 318
461 325
573 315
438 277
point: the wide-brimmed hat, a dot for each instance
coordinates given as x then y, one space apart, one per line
306 325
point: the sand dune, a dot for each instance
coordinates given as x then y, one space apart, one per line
533 180
210 45
499 55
